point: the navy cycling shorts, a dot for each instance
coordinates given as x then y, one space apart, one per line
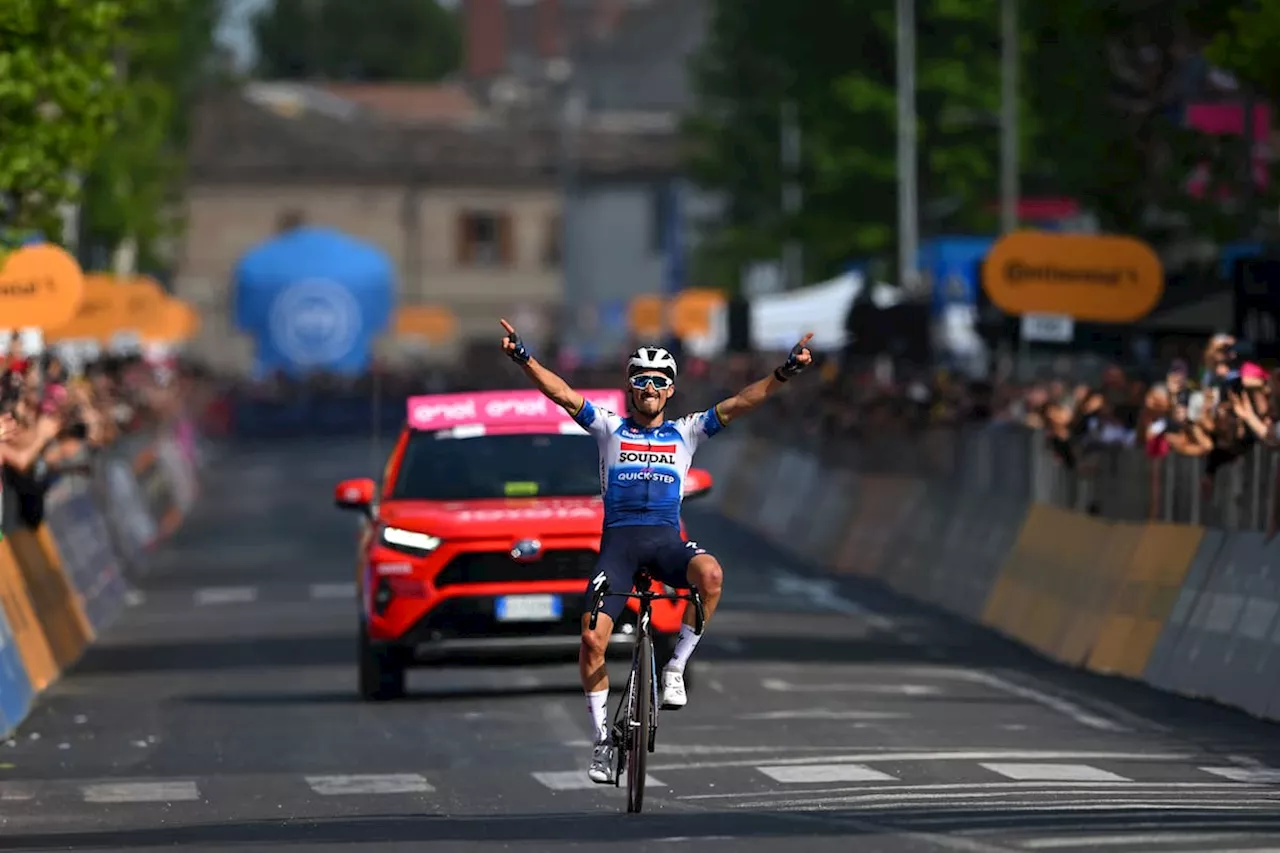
624 550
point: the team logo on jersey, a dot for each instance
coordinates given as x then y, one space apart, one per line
646 454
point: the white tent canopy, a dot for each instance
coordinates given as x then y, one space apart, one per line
779 320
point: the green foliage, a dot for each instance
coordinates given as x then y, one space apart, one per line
1247 47
1099 87
836 59
1108 108
94 99
390 40
132 189
59 97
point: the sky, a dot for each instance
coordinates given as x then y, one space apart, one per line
234 30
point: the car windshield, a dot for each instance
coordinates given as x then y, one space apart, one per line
497 466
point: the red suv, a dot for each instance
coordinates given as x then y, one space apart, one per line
482 537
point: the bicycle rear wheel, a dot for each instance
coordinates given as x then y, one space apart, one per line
641 723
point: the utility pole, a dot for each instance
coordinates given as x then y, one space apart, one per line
908 191
792 194
1009 168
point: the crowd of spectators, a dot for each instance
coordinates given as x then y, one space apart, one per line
1116 427
54 421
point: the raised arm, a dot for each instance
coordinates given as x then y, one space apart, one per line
546 381
760 390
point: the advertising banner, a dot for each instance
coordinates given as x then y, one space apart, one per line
1087 277
84 546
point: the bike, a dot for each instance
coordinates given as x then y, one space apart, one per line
635 724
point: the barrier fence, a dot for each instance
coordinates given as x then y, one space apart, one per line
1112 561
65 574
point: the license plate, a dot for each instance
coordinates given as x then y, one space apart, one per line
528 608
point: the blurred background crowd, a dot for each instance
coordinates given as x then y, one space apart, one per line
288 215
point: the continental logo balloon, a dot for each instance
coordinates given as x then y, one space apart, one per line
40 286
1093 278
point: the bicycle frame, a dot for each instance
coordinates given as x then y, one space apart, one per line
623 724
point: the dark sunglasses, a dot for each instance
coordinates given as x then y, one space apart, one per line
660 383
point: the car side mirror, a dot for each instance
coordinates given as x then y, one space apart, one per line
697 483
354 494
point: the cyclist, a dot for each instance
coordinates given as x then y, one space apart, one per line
643 462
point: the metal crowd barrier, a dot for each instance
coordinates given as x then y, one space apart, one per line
1107 481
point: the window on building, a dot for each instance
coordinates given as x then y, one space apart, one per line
485 239
552 244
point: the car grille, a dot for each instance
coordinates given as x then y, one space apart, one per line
498 567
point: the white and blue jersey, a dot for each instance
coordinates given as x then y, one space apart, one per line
642 470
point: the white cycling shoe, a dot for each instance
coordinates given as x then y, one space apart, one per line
673 695
602 763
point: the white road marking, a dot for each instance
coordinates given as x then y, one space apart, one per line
1252 775
706 749
141 792
959 755
1053 789
576 780
387 783
818 773
1029 814
1054 773
1053 703
323 591
821 592
16 792
982 812
967 800
679 838
226 595
779 686
732 645
135 598
1125 840
871 828
824 714
561 723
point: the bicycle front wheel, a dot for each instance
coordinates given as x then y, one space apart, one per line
641 723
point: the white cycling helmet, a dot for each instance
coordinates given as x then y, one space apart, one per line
651 358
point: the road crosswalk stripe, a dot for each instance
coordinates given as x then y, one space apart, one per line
333 590
818 773
141 792
1023 772
577 780
226 595
1248 775
385 783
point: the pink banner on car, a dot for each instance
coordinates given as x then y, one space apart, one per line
506 409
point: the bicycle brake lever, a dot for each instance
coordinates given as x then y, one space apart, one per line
699 619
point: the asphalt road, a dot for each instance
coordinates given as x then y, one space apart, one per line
220 714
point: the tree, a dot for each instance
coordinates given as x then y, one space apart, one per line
59 96
391 40
836 60
1111 98
1246 46
1102 87
131 191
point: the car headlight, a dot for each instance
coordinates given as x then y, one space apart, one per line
409 540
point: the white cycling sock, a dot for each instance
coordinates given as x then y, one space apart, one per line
684 648
598 705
